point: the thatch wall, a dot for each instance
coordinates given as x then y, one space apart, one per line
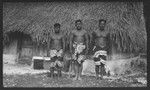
125 21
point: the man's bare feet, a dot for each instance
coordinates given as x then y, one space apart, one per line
101 78
52 75
75 78
48 74
79 78
97 76
69 75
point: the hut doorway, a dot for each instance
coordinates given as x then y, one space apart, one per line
23 46
26 49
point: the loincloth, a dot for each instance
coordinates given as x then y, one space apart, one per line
56 58
100 57
78 52
56 64
78 47
57 53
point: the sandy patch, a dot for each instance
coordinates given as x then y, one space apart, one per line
11 69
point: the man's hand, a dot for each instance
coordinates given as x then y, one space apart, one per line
86 52
74 57
92 57
70 43
103 61
87 43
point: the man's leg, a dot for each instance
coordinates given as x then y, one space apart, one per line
59 71
53 66
80 71
71 67
75 70
102 71
102 67
66 65
60 65
52 72
97 70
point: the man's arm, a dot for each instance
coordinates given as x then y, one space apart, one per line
70 45
93 39
108 41
49 46
64 43
93 43
90 35
87 43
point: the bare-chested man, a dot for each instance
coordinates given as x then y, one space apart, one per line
79 48
56 47
100 48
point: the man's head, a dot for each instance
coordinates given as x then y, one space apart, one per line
57 27
78 24
102 24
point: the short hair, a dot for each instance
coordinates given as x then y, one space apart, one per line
102 20
79 20
56 25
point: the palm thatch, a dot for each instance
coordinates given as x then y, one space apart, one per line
125 20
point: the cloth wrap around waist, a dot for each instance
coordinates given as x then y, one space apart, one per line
100 56
56 58
78 52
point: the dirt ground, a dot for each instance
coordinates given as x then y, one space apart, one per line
41 80
23 76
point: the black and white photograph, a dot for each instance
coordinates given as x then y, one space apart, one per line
74 44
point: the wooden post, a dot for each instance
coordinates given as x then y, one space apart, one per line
19 47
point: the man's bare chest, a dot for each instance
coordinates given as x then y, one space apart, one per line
101 34
79 34
101 38
56 37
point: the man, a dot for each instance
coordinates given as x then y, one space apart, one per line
100 42
78 47
56 46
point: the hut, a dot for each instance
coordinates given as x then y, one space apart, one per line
26 26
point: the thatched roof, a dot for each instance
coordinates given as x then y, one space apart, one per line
125 20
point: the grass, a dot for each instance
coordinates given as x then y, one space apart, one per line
41 80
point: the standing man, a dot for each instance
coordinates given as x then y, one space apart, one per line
78 47
56 46
100 43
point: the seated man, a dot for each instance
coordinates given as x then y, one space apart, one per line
56 46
